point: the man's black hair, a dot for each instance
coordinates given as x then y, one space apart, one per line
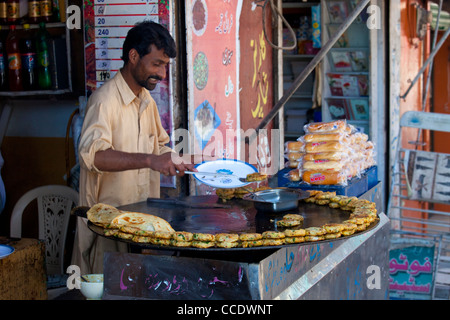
146 33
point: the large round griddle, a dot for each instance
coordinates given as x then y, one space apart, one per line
239 217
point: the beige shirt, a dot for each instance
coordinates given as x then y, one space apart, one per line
116 118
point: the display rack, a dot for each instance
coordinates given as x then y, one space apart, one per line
365 110
294 61
347 73
59 29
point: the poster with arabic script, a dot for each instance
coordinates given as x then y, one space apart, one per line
256 87
213 76
411 272
106 24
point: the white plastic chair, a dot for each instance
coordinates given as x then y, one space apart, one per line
54 205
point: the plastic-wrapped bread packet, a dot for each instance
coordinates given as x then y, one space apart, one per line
354 168
294 175
324 164
325 146
332 153
294 151
332 156
319 137
351 129
359 145
359 137
368 155
325 177
369 158
295 159
357 159
369 162
295 156
369 149
370 145
338 126
294 146
335 161
293 164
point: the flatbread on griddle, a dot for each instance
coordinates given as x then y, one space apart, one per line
110 217
102 214
142 221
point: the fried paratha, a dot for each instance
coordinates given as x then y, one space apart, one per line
142 221
108 216
102 214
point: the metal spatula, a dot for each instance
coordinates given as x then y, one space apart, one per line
217 174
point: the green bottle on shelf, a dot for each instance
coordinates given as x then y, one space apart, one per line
43 61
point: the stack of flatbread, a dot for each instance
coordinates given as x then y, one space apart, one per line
134 226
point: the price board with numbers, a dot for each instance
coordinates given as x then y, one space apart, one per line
107 23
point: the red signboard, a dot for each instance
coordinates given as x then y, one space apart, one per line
213 76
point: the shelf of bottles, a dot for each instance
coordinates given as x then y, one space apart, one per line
34 48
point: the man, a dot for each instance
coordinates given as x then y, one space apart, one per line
122 145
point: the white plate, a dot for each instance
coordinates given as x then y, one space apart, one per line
5 250
239 169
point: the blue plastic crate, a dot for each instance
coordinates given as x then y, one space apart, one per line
372 177
354 188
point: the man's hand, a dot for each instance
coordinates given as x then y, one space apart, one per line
170 164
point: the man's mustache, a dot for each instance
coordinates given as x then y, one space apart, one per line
155 77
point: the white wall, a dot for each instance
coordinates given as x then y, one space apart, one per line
39 118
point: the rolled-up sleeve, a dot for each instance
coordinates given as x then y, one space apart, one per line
96 136
163 141
162 135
